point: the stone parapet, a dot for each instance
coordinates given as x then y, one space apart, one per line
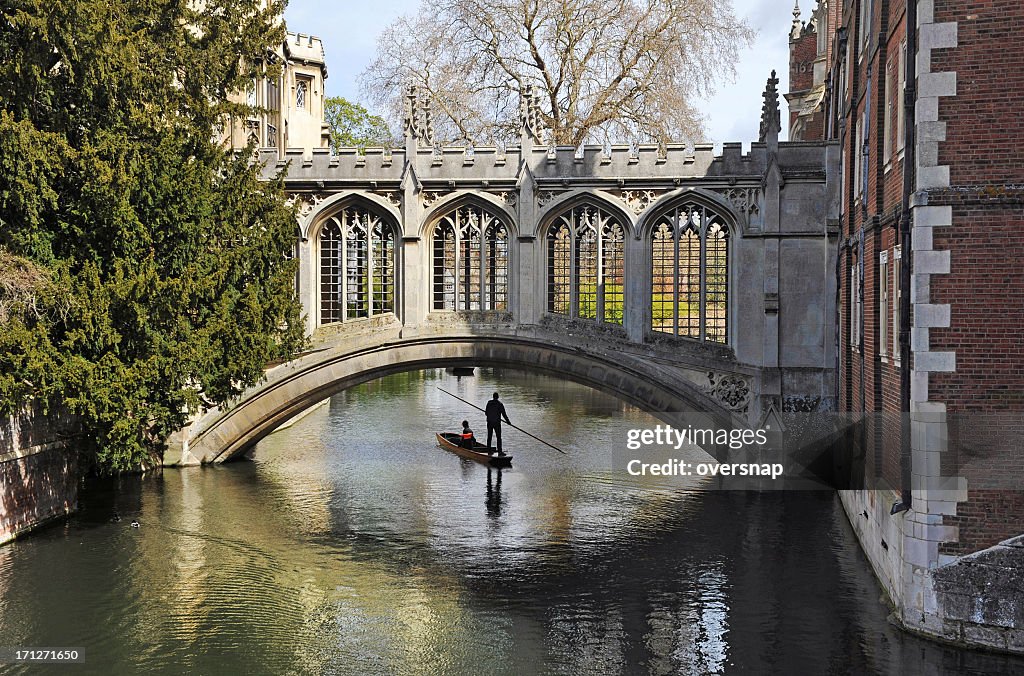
38 470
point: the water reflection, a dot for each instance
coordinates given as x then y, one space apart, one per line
352 544
493 501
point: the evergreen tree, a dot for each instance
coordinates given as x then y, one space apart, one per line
143 268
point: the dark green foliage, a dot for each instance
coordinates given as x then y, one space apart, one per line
142 267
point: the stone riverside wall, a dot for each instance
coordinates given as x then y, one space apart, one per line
972 600
38 471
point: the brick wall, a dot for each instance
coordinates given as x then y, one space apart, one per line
970 87
985 286
984 125
985 291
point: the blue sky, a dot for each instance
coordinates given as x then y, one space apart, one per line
349 29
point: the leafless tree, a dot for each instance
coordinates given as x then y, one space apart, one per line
604 69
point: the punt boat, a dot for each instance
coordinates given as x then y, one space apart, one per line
452 442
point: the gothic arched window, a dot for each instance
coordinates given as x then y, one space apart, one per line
690 274
470 261
357 266
301 89
585 265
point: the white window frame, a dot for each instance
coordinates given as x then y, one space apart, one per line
858 160
897 294
901 94
864 151
887 122
883 303
865 22
856 310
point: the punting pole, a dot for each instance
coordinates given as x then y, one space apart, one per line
509 424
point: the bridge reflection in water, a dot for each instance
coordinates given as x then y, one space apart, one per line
351 544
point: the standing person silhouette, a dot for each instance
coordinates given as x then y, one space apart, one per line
495 411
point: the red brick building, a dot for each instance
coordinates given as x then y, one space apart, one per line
924 99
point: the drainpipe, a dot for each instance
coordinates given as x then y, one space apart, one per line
907 256
838 120
862 155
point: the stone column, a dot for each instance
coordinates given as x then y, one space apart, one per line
635 295
412 305
307 277
529 302
771 379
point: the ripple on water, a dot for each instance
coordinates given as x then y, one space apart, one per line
352 544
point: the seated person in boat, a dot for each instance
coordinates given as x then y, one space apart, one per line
467 440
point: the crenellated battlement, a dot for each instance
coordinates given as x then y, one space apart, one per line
643 164
646 163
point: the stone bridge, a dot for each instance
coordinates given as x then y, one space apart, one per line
674 277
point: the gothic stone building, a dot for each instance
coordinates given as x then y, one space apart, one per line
288 109
923 97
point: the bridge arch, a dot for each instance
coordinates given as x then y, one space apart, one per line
297 385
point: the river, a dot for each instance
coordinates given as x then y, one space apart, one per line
350 544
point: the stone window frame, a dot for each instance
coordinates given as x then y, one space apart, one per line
605 221
901 97
480 262
856 301
887 123
724 222
897 293
334 235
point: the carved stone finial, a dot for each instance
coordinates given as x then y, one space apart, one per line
794 32
409 116
417 119
529 115
426 120
662 148
771 121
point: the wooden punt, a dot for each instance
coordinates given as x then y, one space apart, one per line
451 441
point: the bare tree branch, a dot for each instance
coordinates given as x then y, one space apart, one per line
625 69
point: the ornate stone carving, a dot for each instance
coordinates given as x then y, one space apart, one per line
418 119
801 404
638 200
393 197
307 202
428 197
771 122
730 389
745 202
508 197
544 197
529 114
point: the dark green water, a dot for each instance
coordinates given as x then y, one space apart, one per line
350 544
